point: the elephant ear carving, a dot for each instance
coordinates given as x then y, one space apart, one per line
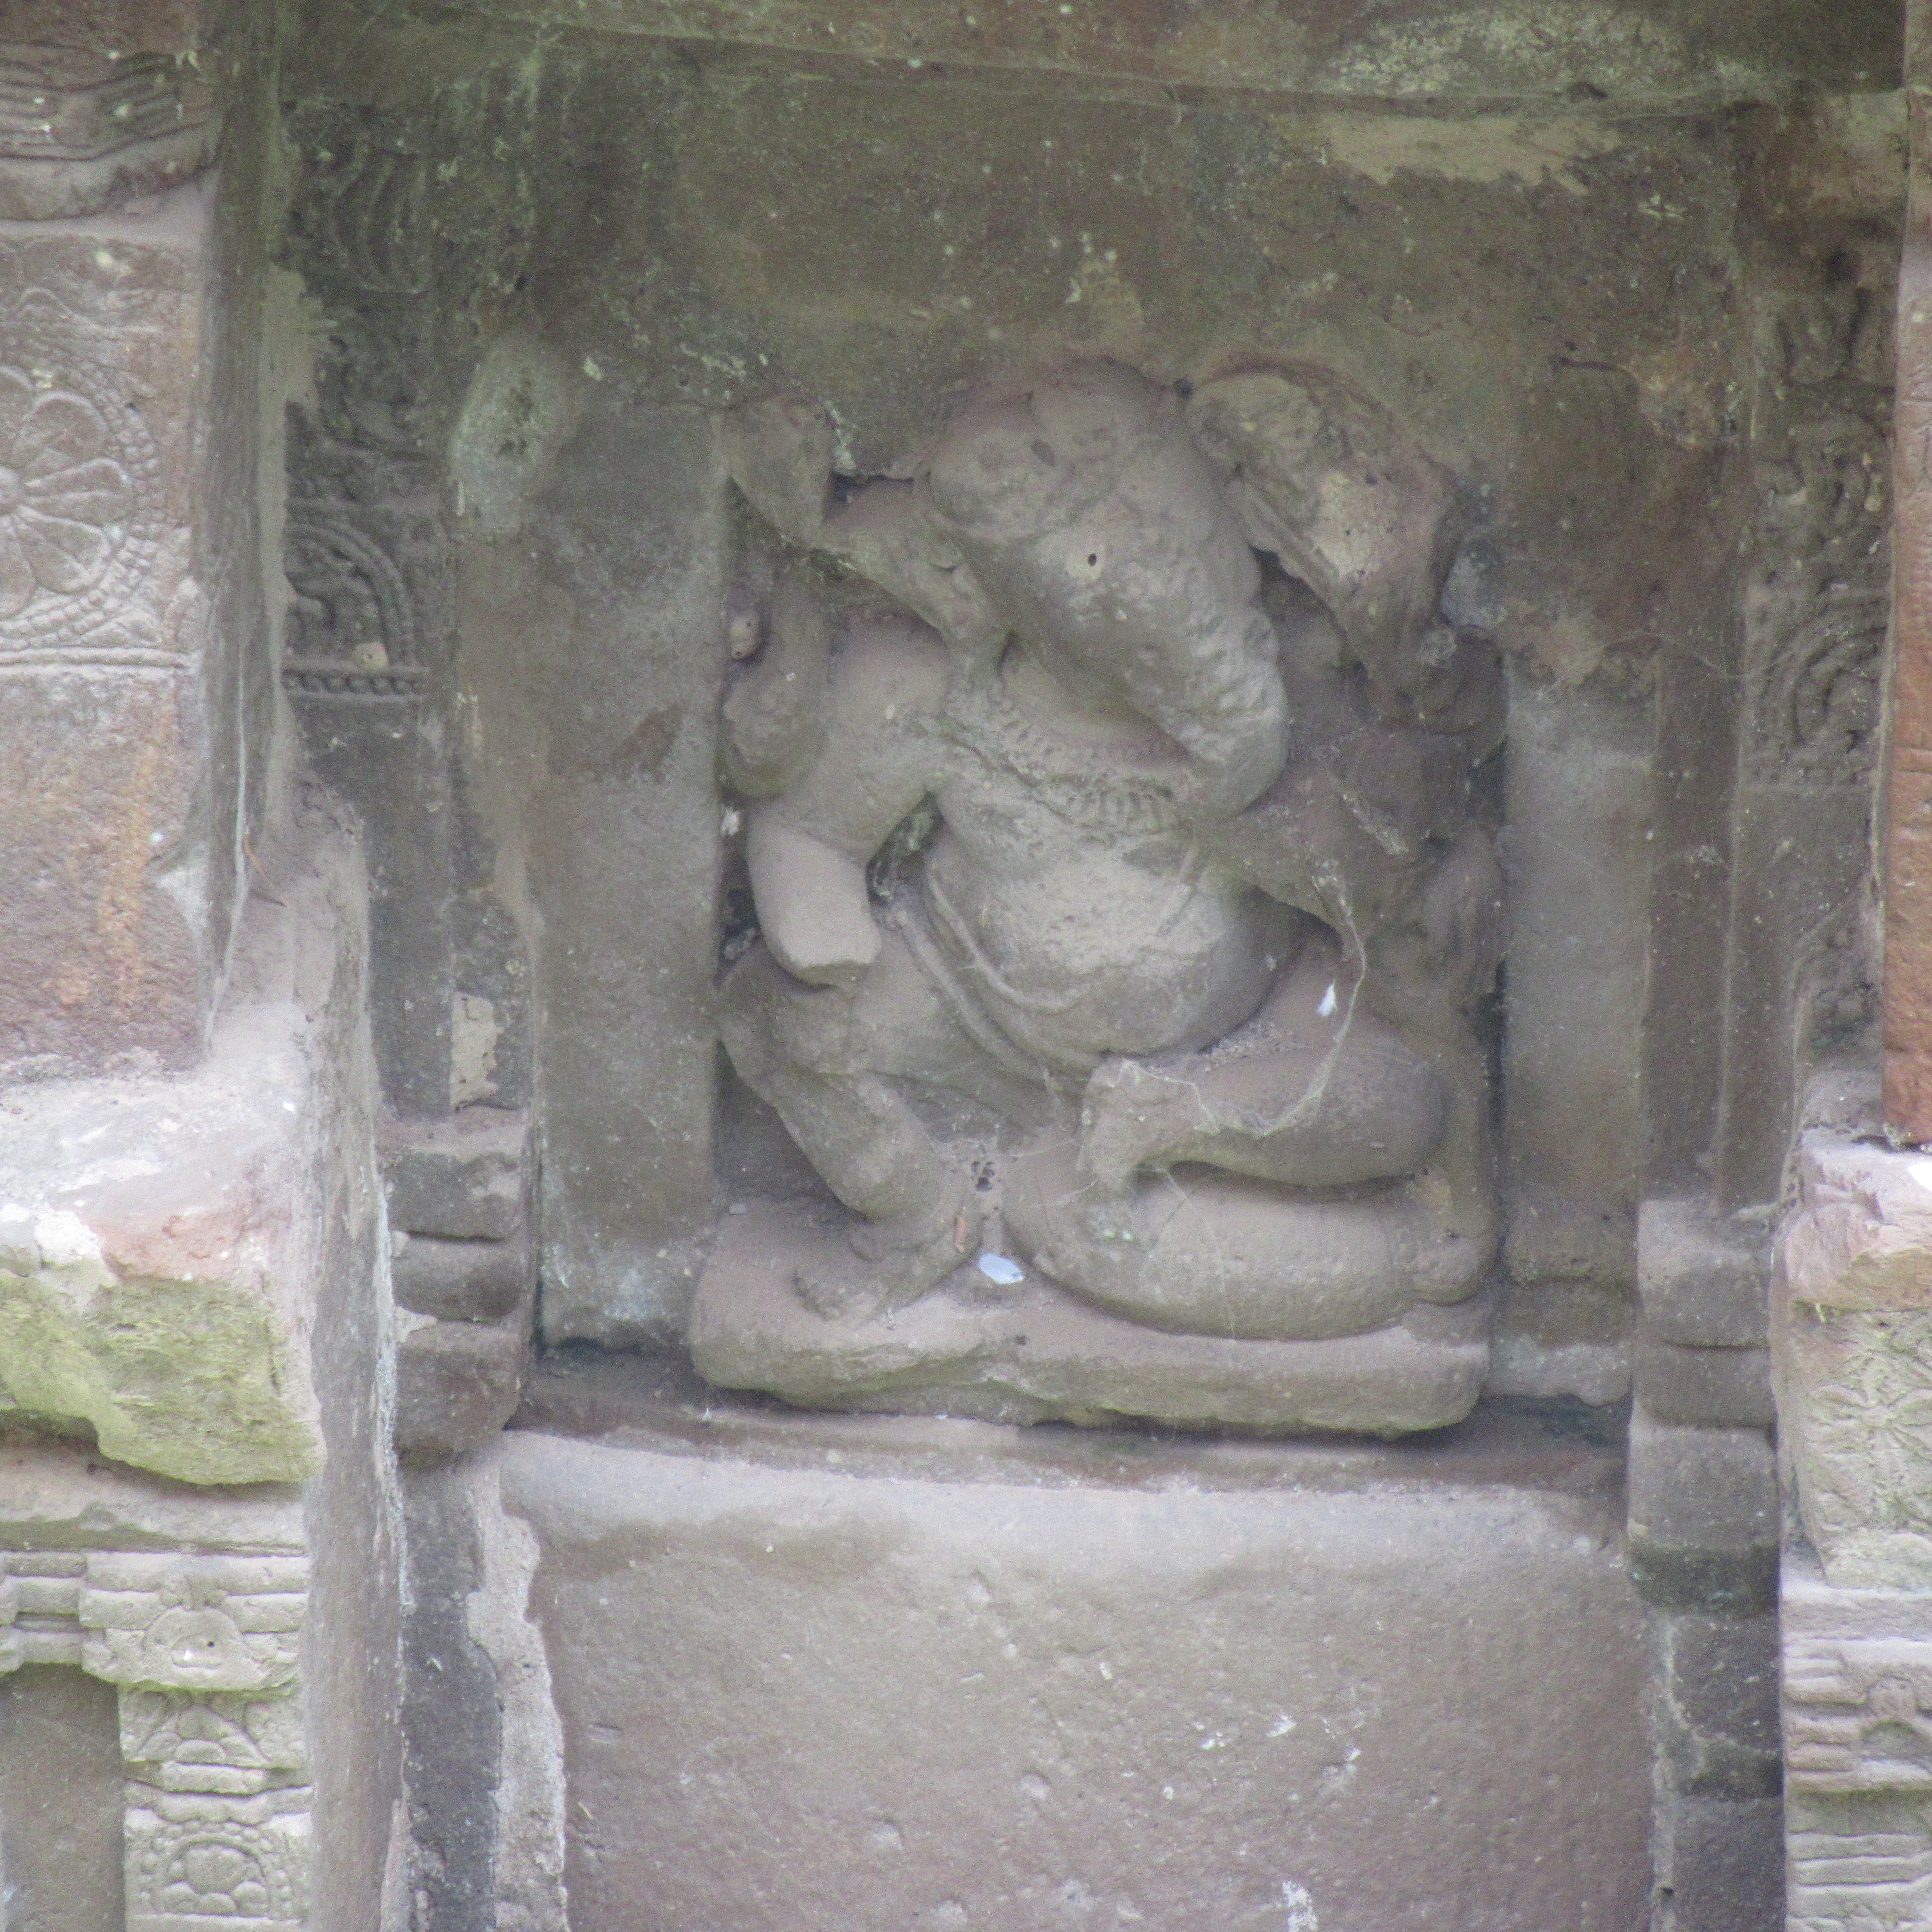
1325 478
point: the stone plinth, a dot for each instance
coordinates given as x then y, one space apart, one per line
1034 1353
819 1673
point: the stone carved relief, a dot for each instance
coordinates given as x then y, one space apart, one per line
78 540
1818 594
1819 604
1864 1870
1121 900
194 1863
350 630
213 1742
81 128
205 1651
1859 1411
1856 1714
226 1623
362 208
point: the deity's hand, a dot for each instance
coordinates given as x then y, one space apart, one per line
814 909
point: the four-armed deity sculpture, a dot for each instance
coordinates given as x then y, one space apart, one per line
1123 905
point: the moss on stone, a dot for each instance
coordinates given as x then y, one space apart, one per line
182 1377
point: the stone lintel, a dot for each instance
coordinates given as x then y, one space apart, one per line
1687 56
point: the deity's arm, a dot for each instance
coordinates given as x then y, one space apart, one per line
877 756
1304 843
1353 828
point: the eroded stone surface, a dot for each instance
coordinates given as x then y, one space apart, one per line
1858 1690
458 1383
1684 53
85 125
974 1677
1851 1308
1028 1351
1704 1517
1195 851
168 1241
61 1801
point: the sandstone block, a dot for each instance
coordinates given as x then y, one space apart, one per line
1863 1237
1578 775
97 122
1036 1354
460 1179
1453 50
1714 1688
1720 1865
1704 1518
60 1802
106 877
178 1252
458 1383
150 1296
624 856
964 1675
1858 1686
1724 1388
463 1281
1701 1275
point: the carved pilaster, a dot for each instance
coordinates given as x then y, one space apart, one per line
205 1651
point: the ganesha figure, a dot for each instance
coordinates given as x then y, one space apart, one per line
1123 902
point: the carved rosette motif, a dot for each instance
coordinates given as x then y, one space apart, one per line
79 539
194 1865
92 568
205 1650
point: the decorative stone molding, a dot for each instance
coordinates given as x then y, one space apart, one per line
205 1650
82 128
211 1624
351 631
1852 1340
1857 1752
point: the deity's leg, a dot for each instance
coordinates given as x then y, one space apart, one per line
1315 1094
1312 1092
814 1054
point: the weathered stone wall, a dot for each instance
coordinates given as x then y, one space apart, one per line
362 368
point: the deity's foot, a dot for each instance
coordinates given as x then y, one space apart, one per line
1205 1252
891 1264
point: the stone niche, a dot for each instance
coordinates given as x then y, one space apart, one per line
1092 793
1146 724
